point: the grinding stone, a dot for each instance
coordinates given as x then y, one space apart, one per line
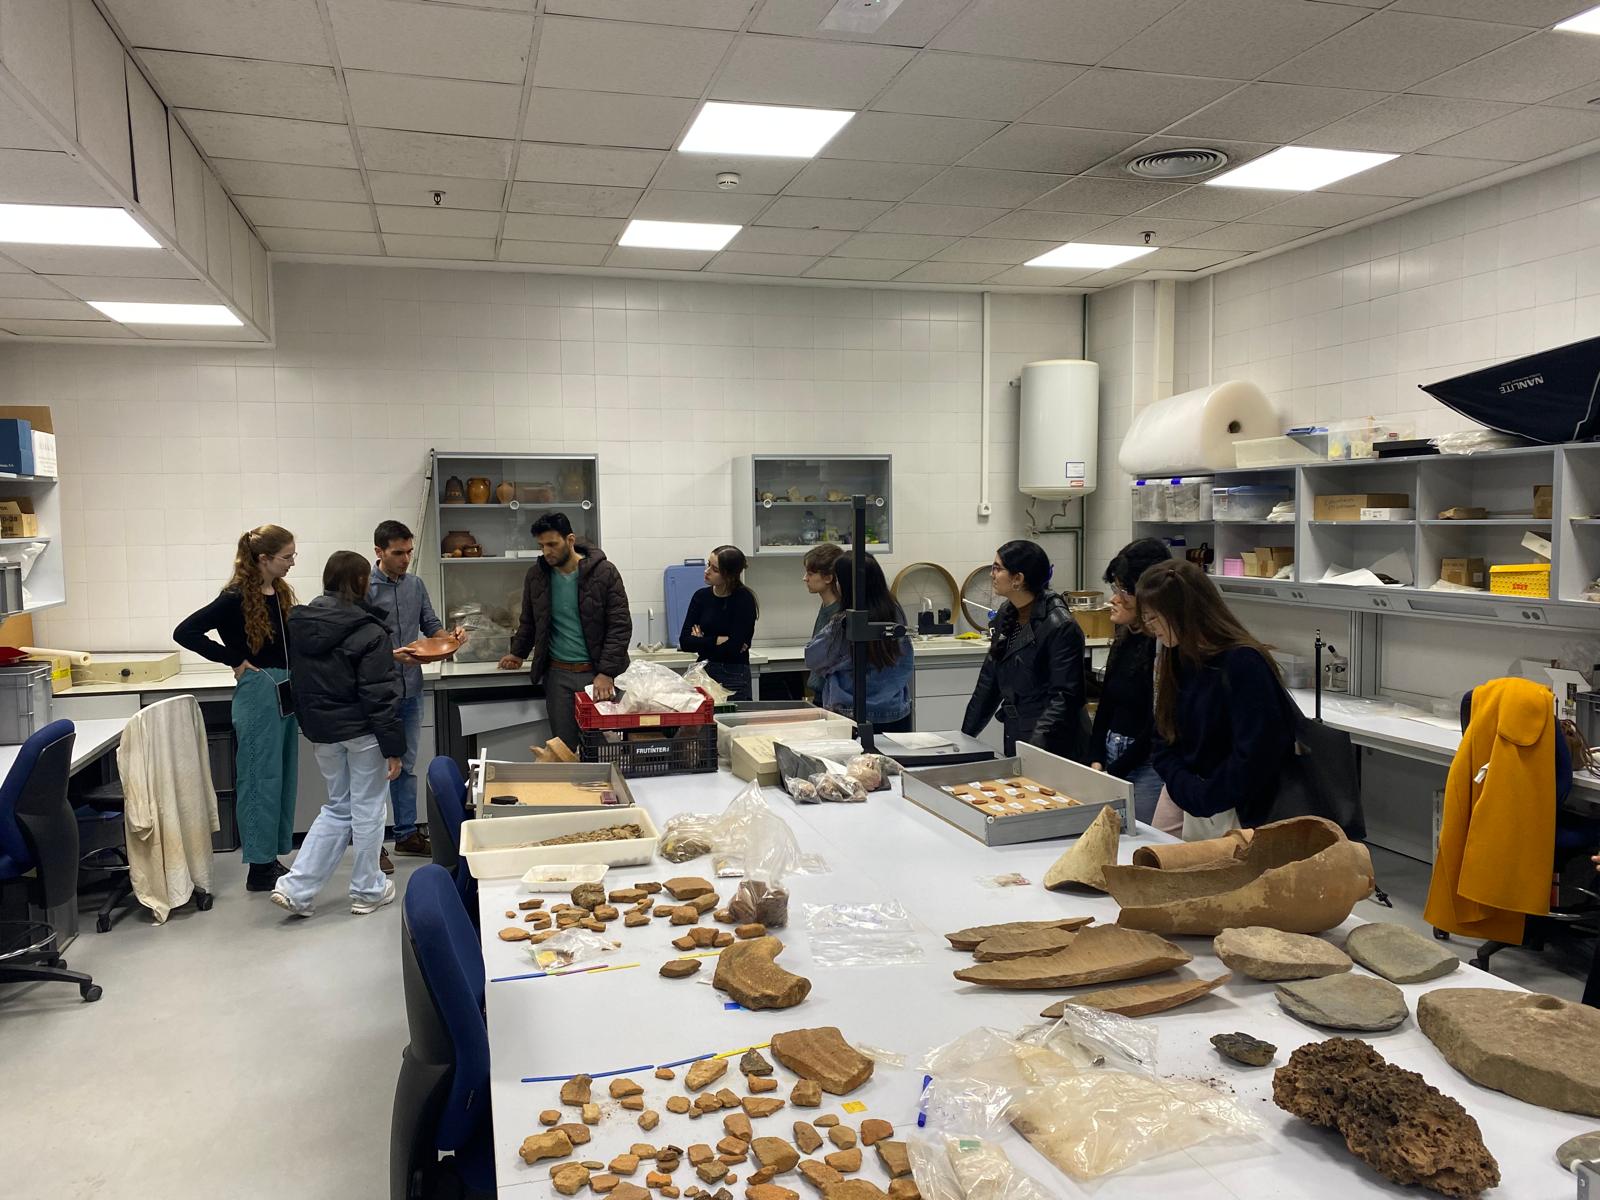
1583 1148
1344 1002
1398 954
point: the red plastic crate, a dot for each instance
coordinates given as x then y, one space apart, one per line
590 718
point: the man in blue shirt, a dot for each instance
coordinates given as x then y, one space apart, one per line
401 599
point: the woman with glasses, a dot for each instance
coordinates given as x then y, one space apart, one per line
1033 675
249 617
721 622
819 564
1125 718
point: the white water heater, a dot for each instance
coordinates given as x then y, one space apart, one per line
1058 433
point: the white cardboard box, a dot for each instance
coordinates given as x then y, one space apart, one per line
1388 514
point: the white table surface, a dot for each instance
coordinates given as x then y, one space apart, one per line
887 850
94 739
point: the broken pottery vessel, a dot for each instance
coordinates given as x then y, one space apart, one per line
1540 1049
1087 858
823 1056
746 972
1301 875
971 939
1100 954
1141 999
1181 856
1020 945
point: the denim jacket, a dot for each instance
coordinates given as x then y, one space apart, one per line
888 688
407 614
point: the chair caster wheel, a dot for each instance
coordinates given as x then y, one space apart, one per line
1441 935
203 901
1481 963
102 923
90 992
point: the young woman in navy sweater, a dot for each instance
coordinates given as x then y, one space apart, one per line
721 622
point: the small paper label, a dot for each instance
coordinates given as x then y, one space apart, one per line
1076 470
853 1106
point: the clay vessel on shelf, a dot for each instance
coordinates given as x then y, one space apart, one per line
1301 875
477 490
571 481
456 539
454 492
505 492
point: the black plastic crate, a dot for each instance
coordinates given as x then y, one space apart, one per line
641 753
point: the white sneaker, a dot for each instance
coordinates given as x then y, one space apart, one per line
293 909
362 907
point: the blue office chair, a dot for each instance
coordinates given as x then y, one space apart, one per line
441 1100
39 853
447 809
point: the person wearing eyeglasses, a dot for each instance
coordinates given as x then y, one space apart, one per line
721 622
1124 721
819 564
1033 674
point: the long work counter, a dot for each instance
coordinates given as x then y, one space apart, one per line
885 852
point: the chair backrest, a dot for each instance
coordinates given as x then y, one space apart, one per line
447 809
451 966
37 825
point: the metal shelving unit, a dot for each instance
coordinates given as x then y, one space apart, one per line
768 520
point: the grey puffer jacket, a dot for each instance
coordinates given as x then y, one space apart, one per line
346 681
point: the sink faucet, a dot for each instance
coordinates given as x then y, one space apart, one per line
650 646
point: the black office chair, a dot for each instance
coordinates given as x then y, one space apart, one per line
39 854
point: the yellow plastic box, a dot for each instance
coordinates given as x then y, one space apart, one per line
1521 579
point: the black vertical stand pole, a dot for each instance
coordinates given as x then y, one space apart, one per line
858 648
1318 680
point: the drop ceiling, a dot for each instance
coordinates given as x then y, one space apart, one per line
989 131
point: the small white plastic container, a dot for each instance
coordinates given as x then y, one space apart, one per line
505 847
1149 499
1248 502
562 877
1189 498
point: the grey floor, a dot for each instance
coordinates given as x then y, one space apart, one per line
241 1053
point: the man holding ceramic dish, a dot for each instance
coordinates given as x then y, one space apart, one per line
401 599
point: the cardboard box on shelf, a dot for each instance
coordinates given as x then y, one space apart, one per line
17 519
1269 560
1095 622
1464 512
1348 508
1467 572
60 670
1252 565
1543 501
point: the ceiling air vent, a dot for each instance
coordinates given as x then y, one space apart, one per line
1178 164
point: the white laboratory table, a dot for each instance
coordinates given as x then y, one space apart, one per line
94 738
888 850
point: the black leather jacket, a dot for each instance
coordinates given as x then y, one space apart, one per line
1035 682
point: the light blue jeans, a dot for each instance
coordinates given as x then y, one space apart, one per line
403 788
1146 783
354 771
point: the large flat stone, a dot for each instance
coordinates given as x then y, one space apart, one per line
1537 1048
1264 953
1398 954
1583 1148
1344 1002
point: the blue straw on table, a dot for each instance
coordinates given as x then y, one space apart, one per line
592 1075
685 1061
547 974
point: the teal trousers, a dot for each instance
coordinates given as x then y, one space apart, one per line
265 771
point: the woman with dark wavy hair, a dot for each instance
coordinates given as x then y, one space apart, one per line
721 622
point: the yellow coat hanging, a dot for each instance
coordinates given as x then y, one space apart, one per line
1497 838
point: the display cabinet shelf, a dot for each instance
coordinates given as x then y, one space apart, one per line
767 521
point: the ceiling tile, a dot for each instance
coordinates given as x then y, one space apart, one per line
1247 237
761 264
981 187
243 177
406 245
770 240
573 199
1391 51
1527 71
1237 152
951 219
23 327
1040 277
305 214
1273 112
1140 101
912 246
413 39
948 272
1102 279
995 250
641 258
561 254
617 56
1523 135
773 70
394 187
1414 175
152 291
280 30
19 131
1164 231
242 85
1050 226
846 179
605 118
9 267
538 227
966 85
1537 14
1232 39
269 139
434 105
98 260
1323 209
898 137
718 208
1111 196
1401 124
27 286
1186 260
1022 147
1070 31
586 164
435 154
700 14
909 25
441 222
803 212
698 172
1202 203
860 268
1581 97
47 177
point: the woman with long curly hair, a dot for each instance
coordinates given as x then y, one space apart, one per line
249 617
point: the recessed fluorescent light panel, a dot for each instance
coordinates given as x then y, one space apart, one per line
1299 169
165 314
677 235
1089 254
71 225
1584 22
764 130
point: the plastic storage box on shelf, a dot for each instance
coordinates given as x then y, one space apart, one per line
1248 501
1283 451
1189 498
1149 500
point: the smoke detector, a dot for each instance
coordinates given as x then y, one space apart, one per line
1185 163
728 180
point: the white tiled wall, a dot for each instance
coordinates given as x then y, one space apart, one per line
1122 341
167 454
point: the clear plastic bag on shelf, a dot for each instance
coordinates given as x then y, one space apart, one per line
650 687
862 935
697 676
570 947
1475 441
686 836
955 1167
